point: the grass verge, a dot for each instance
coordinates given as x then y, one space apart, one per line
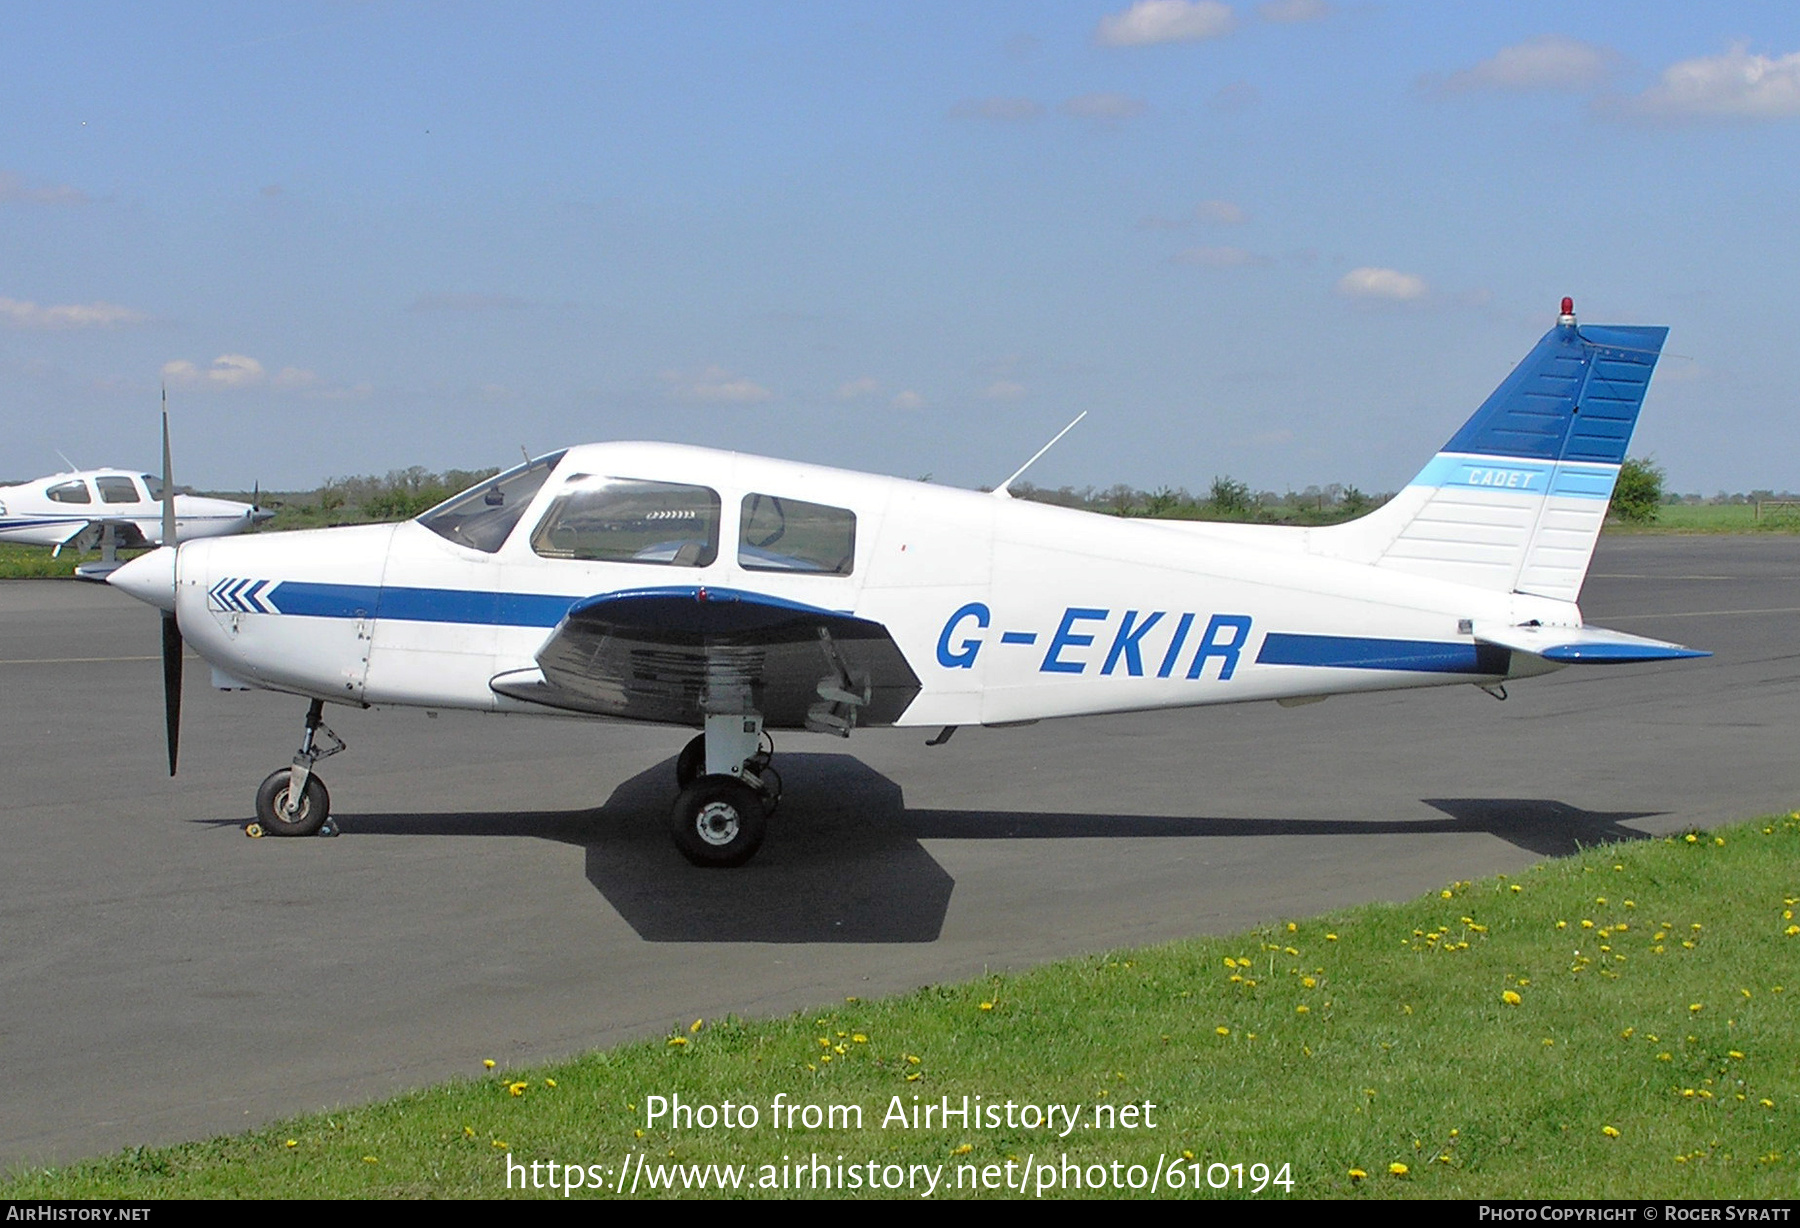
1617 1024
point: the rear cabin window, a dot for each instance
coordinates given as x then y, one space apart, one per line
628 520
70 492
780 534
117 490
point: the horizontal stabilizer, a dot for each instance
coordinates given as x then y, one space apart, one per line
1584 645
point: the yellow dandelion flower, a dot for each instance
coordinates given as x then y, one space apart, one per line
1301 1010
468 1131
1292 928
1696 1006
912 1076
488 1062
1766 1103
1609 1131
1562 925
859 1039
678 1040
1222 1030
1309 982
1735 1054
293 1142
503 1145
1548 1041
1627 1033
964 1150
1357 1174
912 1059
1719 840
1515 887
695 1026
549 1082
987 1006
1331 938
517 1089
1398 1169
1692 838
1444 894
1511 998
370 1160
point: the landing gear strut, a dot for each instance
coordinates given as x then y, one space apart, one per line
293 801
728 791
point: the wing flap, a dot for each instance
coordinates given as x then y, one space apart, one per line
1584 645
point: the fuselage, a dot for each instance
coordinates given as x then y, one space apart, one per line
1006 610
53 510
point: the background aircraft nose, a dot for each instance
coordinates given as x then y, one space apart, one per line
149 577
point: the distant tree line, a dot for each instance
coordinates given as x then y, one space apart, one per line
1226 499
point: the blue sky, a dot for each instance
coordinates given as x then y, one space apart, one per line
1294 242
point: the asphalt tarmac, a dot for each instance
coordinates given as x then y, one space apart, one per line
504 888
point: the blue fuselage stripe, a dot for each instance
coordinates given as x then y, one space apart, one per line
1356 652
423 605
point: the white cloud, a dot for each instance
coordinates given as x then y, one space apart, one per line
716 385
1004 390
1286 12
1388 285
1105 107
1165 21
225 371
14 190
1736 85
849 390
1222 212
1547 62
1219 257
22 314
908 400
1000 110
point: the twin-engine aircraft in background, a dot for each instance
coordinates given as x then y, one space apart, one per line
114 509
737 595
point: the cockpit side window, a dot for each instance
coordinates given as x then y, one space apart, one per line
483 515
70 492
629 520
117 490
781 534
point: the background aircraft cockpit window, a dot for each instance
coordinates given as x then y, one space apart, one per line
153 484
70 492
791 535
117 490
625 520
483 515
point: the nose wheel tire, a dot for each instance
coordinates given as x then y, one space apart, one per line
718 822
690 764
271 803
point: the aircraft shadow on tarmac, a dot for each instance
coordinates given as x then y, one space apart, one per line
844 860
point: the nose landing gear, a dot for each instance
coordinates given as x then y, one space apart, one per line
293 801
728 792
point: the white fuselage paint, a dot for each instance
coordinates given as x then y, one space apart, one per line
1006 610
30 515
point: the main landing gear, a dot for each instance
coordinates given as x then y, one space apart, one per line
293 801
728 792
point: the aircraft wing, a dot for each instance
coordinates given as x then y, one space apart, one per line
1584 645
673 654
83 537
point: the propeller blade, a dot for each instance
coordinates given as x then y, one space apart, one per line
168 491
171 662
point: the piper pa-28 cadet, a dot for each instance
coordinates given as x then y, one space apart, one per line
737 595
114 509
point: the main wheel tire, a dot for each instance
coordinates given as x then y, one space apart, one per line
690 764
718 822
315 805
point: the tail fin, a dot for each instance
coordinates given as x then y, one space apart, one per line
1514 502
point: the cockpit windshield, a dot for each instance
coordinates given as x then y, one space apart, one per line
482 516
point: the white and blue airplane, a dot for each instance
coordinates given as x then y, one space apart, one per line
737 595
112 508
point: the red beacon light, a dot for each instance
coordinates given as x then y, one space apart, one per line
1568 311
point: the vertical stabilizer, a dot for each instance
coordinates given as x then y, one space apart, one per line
1514 502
